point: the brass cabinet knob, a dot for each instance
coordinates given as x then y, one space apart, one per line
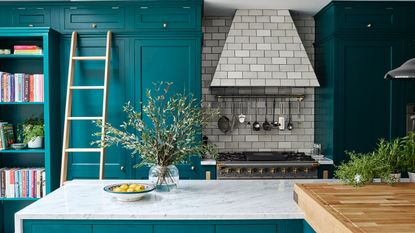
164 25
193 168
30 25
94 25
369 25
122 168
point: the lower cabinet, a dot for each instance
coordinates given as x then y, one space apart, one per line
168 226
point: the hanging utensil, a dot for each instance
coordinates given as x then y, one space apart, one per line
266 125
281 119
256 126
223 122
290 124
248 113
274 123
241 116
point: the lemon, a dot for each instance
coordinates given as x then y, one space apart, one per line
124 187
117 189
130 190
132 186
139 188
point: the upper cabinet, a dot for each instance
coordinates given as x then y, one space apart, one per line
94 18
164 18
32 16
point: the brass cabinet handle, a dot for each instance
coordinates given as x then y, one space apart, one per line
94 25
164 25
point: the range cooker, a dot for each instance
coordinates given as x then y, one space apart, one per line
266 165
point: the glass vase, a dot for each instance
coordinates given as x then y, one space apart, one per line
165 178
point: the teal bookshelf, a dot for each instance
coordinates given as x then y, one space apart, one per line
16 112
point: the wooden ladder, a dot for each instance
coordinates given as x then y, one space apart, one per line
68 108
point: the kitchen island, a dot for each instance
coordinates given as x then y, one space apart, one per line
374 208
265 206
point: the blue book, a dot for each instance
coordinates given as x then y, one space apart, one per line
28 183
12 88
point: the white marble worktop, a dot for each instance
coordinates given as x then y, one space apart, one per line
193 199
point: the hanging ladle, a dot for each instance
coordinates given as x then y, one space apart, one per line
256 126
290 124
266 125
274 123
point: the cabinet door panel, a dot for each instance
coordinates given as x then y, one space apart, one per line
122 228
165 18
168 60
365 106
90 18
59 228
184 228
89 103
240 228
31 17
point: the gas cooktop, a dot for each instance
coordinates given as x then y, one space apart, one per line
265 156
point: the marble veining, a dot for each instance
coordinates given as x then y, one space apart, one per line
194 199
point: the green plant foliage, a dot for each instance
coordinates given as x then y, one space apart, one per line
391 154
408 152
32 128
168 132
361 169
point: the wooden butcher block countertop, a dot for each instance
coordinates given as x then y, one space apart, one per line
337 208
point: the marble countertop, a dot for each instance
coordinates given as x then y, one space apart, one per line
321 161
193 199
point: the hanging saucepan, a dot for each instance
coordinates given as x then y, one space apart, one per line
224 122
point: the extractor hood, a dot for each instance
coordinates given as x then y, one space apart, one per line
405 71
263 48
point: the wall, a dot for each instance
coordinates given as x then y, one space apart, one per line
243 138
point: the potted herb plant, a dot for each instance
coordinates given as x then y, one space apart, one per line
391 154
167 133
361 169
33 133
408 152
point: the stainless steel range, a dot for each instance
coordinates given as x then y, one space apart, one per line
266 165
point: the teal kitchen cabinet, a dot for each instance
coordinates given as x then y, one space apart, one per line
94 18
57 228
271 228
117 228
174 60
355 106
184 228
167 17
89 103
31 16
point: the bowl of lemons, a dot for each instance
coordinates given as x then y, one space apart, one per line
129 191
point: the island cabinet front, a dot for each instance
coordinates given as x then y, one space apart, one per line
167 226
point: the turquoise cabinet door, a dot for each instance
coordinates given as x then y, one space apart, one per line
126 228
89 103
369 18
165 18
58 228
240 228
169 60
364 109
94 18
181 228
31 16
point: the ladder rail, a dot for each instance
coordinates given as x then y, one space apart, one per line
68 107
68 110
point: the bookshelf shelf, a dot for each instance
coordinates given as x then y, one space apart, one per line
18 199
11 151
21 103
21 56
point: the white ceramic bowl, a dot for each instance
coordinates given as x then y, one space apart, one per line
129 196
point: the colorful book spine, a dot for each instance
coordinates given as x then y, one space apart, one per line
25 47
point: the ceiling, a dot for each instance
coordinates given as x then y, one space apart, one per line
228 7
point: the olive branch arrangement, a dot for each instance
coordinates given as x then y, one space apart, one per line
167 133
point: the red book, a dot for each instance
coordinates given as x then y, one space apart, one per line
25 47
31 88
12 184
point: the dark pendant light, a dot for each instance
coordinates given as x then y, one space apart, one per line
406 70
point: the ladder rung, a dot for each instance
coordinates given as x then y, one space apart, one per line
90 58
83 150
84 118
87 87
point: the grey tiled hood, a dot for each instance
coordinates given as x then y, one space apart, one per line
263 48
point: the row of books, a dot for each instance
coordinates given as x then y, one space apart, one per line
6 135
21 87
27 49
22 182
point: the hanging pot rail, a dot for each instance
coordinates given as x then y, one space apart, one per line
298 98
